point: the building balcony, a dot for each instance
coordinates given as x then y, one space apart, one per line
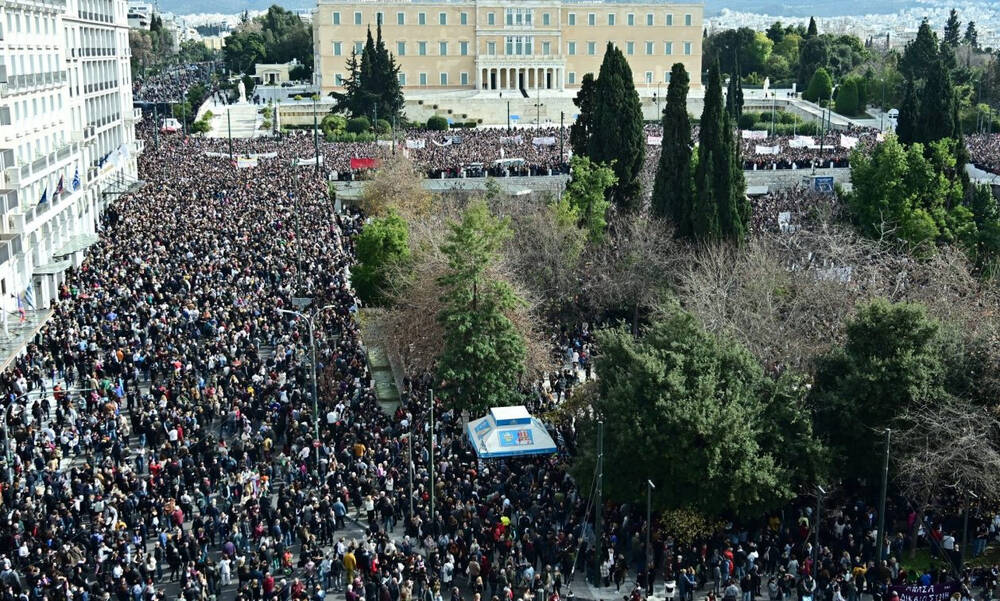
19 84
94 16
52 6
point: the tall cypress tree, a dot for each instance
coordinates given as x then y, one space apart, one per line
616 135
705 208
721 209
388 88
579 132
813 31
906 124
952 30
937 107
734 93
672 192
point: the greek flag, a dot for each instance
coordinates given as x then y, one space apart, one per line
29 297
76 179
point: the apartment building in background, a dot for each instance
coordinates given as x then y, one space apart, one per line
518 45
67 137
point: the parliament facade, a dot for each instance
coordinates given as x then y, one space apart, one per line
516 45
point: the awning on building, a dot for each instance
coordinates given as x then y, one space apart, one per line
77 244
53 268
509 432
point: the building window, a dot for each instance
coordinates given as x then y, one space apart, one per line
649 77
630 48
687 20
491 18
337 49
336 18
491 48
339 79
423 79
592 48
400 48
463 48
421 18
357 18
649 19
422 48
571 48
668 48
572 19
444 79
463 18
666 77
443 48
359 47
464 78
611 19
591 19
571 77
670 20
546 48
649 48
400 18
442 18
402 79
630 19
687 48
545 19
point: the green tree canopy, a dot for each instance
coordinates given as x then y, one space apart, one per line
820 86
483 354
847 97
382 249
696 413
586 194
813 55
952 30
888 364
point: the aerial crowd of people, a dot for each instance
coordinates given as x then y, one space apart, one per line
162 440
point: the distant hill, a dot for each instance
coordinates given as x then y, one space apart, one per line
791 8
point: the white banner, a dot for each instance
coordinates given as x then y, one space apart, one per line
387 143
512 140
848 141
416 143
654 140
801 142
246 162
312 161
754 134
254 155
767 149
544 141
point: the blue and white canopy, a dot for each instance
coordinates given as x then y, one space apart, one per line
509 432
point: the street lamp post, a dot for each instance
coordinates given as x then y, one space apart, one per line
312 345
649 528
881 506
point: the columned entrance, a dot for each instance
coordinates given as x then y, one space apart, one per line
517 77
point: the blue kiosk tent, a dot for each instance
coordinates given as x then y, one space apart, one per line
509 432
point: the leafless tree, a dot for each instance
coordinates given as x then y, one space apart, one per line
948 449
398 185
631 267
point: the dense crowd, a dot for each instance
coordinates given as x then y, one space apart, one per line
164 443
984 151
170 85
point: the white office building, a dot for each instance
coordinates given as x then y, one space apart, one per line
67 137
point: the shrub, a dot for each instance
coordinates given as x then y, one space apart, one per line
383 126
471 124
358 125
437 123
820 86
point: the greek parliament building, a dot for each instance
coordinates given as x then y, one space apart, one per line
516 45
67 138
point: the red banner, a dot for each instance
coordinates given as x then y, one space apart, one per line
363 163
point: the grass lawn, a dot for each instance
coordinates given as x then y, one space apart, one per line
923 561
